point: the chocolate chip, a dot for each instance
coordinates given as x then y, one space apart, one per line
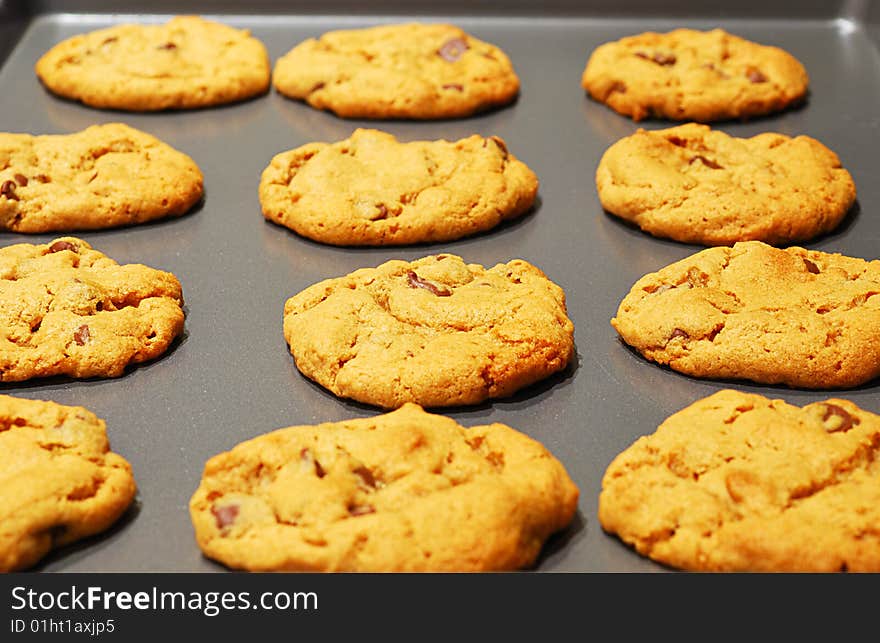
678 142
417 282
383 211
837 419
455 86
755 75
8 190
659 58
496 459
21 179
811 267
58 246
107 41
306 456
678 332
82 335
361 510
618 87
168 46
716 70
366 476
452 49
42 178
500 143
225 516
707 162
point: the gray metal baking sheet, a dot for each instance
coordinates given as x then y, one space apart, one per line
231 377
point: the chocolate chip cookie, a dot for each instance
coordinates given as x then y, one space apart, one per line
698 185
412 71
803 318
186 63
403 492
693 75
59 481
102 177
741 483
371 189
66 309
436 331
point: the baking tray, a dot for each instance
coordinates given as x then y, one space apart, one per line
231 377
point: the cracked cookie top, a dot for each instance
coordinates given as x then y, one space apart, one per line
436 331
371 189
698 185
791 316
102 177
59 481
66 309
741 483
186 63
407 491
415 71
693 75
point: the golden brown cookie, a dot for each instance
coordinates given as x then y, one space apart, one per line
59 481
413 71
738 482
370 189
436 331
698 185
66 309
102 177
693 75
792 316
403 492
186 63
